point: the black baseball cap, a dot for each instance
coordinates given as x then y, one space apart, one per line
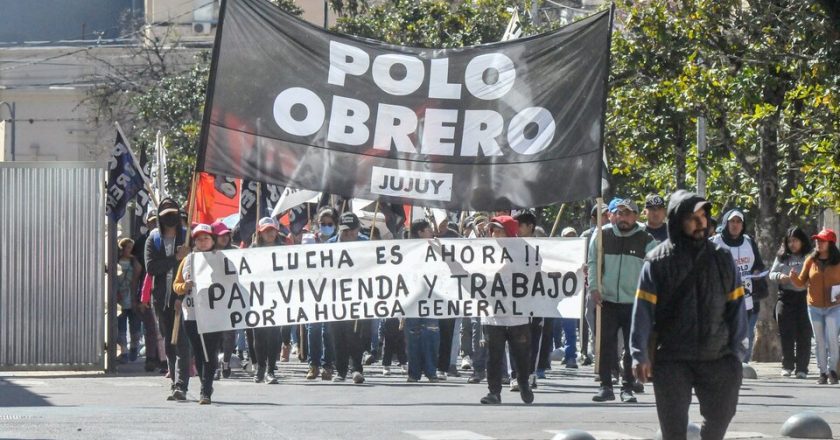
654 201
348 220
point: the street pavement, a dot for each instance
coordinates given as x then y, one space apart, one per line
131 404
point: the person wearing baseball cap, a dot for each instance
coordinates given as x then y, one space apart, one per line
513 330
821 273
348 229
183 286
266 340
163 252
224 241
748 260
625 245
655 217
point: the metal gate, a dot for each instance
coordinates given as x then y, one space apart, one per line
52 259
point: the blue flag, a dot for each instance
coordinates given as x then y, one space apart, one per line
125 180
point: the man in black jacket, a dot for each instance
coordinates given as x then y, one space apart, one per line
689 323
164 251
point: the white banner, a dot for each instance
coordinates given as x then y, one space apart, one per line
271 286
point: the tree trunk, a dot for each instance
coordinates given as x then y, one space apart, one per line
680 153
767 347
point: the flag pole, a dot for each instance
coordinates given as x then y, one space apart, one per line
146 181
557 220
461 222
373 223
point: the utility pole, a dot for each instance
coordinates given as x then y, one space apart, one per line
11 107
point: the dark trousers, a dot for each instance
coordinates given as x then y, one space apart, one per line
206 366
519 339
447 331
249 339
266 348
349 340
150 333
394 342
794 330
716 384
542 343
177 355
228 344
615 317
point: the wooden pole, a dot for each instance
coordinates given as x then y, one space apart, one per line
176 326
598 271
373 222
557 220
461 223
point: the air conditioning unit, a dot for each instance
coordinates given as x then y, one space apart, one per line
201 28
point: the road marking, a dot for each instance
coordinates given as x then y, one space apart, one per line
448 435
742 434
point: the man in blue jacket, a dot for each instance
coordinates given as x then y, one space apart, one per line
625 245
689 323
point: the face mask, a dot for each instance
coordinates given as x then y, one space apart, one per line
328 230
169 221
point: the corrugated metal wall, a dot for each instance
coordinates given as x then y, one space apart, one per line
52 280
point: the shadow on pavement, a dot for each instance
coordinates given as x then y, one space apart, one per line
13 394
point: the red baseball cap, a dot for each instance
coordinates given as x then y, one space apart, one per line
506 222
827 234
220 228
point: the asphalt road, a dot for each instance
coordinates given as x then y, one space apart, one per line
132 405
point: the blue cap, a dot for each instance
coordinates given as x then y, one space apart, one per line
613 206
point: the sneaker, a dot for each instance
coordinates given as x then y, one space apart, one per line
358 377
368 359
466 363
294 350
179 395
260 376
476 378
339 378
638 387
491 399
441 375
312 373
527 395
832 377
823 379
386 371
587 361
786 373
801 375
540 374
572 364
326 374
205 400
404 368
453 371
270 378
226 370
558 354
514 386
218 374
627 396
434 379
532 381
604 394
284 353
413 379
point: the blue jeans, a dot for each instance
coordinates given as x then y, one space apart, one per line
319 345
752 317
423 337
570 334
826 324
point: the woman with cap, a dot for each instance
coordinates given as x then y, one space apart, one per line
223 241
266 340
821 273
128 278
792 305
202 235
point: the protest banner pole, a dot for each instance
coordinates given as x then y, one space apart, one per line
146 182
176 326
373 223
598 270
257 214
461 222
557 220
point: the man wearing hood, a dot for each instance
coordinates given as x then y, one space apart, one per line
625 245
734 238
689 323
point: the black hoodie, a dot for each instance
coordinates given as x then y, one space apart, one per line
689 296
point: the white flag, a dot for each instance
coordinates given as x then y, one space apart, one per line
159 178
514 28
293 197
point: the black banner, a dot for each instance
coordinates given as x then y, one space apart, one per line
512 124
125 180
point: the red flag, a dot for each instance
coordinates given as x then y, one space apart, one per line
215 198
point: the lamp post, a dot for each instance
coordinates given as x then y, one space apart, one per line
11 107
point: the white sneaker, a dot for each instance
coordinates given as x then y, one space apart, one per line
786 373
514 386
404 368
466 363
532 379
558 354
441 375
294 350
386 371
